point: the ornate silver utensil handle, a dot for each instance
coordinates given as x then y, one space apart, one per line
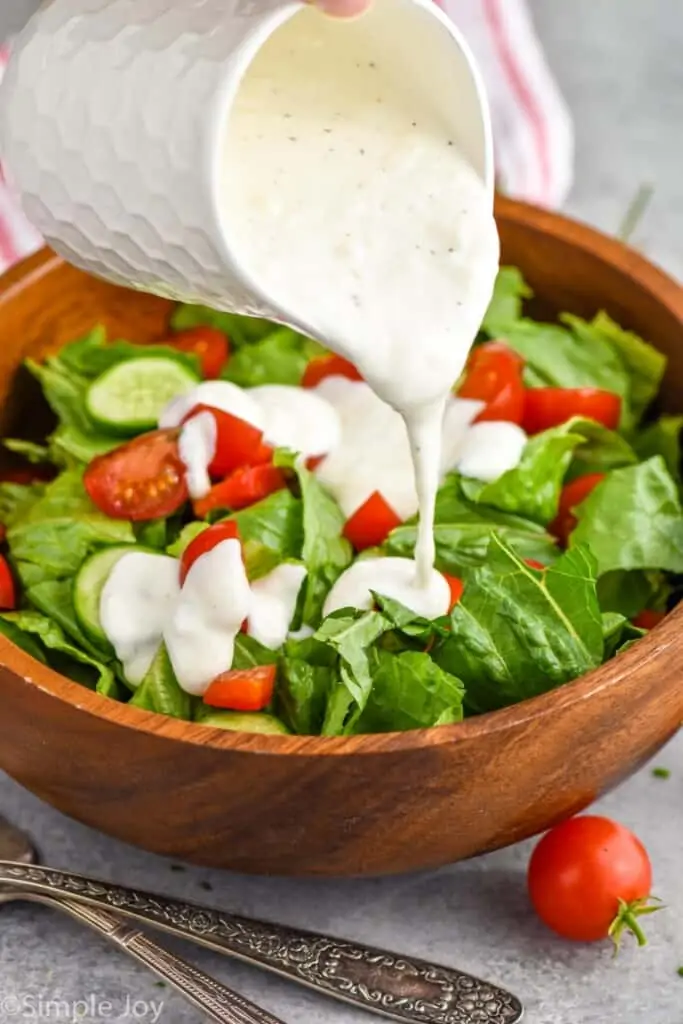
215 1000
401 987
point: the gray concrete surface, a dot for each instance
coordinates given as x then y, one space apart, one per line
619 63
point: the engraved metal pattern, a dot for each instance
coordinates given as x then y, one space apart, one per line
401 987
216 1001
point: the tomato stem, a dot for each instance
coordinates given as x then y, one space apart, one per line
627 920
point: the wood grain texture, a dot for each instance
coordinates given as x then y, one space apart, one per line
364 804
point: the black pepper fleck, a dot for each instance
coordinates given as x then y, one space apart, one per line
293 138
206 886
362 152
450 143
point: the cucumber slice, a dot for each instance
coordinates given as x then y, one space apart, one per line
130 397
238 721
88 585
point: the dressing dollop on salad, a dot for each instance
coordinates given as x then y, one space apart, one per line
221 526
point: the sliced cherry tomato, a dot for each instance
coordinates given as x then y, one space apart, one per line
242 488
328 366
456 587
143 479
589 878
549 407
648 619
371 524
247 689
210 345
8 593
494 376
238 443
572 495
204 542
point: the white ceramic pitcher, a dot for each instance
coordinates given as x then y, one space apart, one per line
113 115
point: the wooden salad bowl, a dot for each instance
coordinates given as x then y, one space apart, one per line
363 805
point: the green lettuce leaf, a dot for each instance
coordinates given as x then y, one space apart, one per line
249 653
532 489
517 632
188 533
633 520
64 656
463 530
69 445
22 639
618 631
662 438
361 672
628 592
307 672
505 308
644 364
409 691
279 358
152 534
65 394
91 355
54 535
325 552
350 634
17 499
272 532
54 598
561 358
32 452
241 330
160 691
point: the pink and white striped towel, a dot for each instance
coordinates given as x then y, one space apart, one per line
532 128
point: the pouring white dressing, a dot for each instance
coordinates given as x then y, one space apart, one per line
388 250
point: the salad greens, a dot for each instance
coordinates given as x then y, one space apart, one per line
532 615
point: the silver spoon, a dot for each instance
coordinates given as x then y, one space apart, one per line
401 987
217 1002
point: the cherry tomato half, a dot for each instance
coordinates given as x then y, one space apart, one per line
210 346
249 689
8 593
572 495
328 366
648 619
589 878
456 587
549 407
238 443
371 524
494 376
242 488
204 542
143 479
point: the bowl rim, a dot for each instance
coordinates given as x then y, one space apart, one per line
661 639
